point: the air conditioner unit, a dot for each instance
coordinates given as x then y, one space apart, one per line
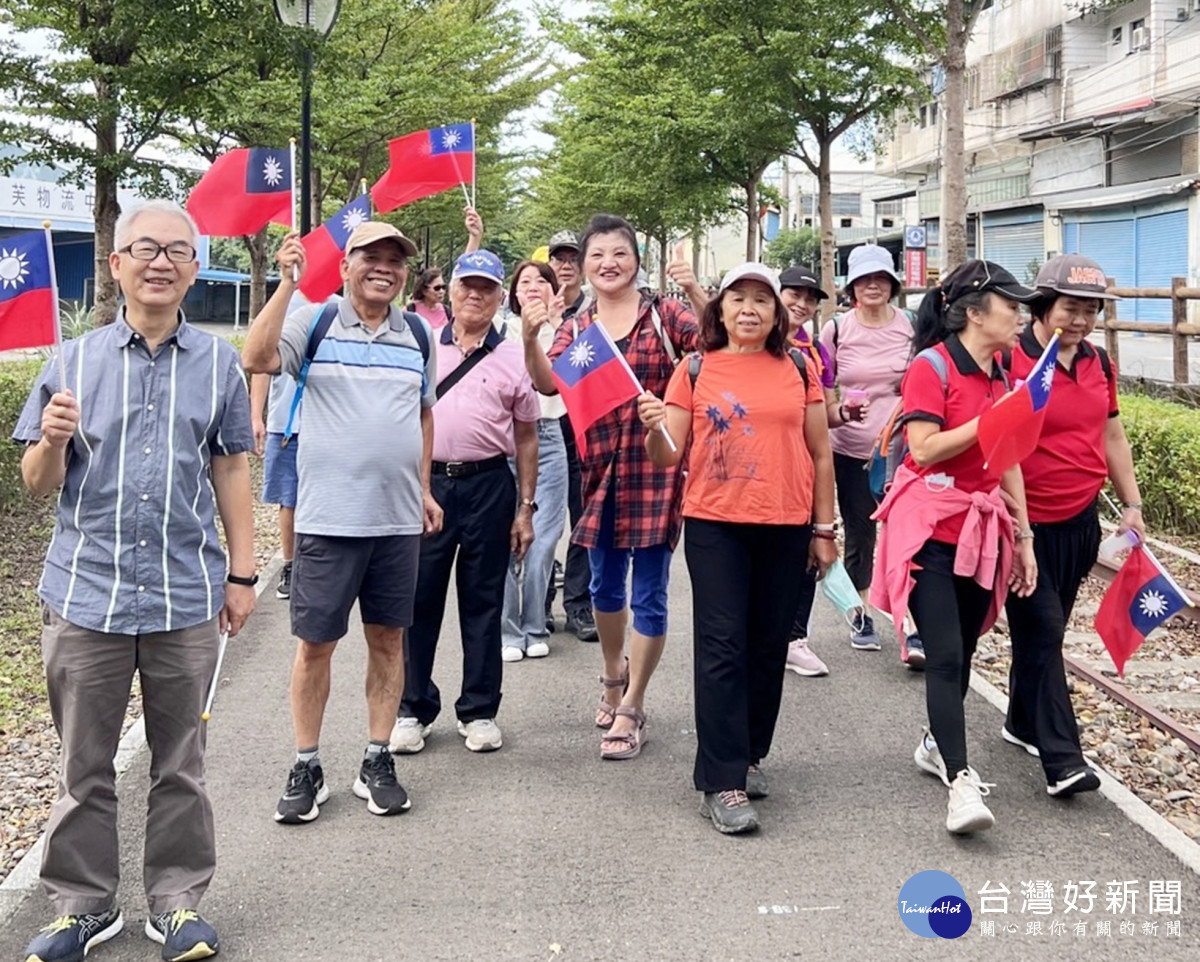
1139 39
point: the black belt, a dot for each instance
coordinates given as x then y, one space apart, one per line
464 469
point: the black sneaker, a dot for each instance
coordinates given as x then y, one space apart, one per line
182 934
559 574
306 791
70 937
582 625
1083 780
283 590
377 784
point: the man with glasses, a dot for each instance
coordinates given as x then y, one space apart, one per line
146 442
577 599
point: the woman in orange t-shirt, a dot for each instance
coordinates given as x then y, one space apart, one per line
759 472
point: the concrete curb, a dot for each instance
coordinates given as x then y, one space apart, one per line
25 876
1132 807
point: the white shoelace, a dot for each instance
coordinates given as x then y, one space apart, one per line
971 777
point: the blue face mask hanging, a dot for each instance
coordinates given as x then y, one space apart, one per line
838 588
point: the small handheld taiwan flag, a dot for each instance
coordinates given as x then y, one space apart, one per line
1009 430
1142 597
243 191
593 378
324 247
27 295
426 163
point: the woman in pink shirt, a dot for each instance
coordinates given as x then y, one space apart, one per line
868 348
428 296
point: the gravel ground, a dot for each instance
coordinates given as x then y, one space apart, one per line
29 757
1162 771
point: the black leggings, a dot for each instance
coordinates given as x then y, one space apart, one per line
856 504
949 611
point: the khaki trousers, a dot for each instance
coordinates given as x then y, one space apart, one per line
88 674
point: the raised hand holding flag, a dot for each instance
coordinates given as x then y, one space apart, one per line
324 247
1010 429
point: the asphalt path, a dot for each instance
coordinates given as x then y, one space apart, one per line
541 851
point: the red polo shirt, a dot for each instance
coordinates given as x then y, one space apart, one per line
968 392
1068 469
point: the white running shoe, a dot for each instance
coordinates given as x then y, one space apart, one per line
537 649
408 736
482 734
965 810
930 759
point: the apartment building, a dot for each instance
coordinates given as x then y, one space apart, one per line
1081 136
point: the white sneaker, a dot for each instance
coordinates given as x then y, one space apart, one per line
930 759
537 649
511 653
408 736
1014 740
803 660
482 735
965 811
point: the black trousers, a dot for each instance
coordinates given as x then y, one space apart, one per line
1039 704
744 593
808 594
577 575
856 504
949 612
479 515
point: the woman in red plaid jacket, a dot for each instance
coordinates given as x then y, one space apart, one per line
632 509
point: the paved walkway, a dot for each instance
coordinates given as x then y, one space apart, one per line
541 851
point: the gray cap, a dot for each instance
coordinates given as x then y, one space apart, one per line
563 238
1076 275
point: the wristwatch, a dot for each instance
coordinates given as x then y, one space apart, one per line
247 582
529 503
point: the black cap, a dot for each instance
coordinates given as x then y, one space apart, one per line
801 277
977 277
563 238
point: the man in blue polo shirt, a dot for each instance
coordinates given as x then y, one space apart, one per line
145 443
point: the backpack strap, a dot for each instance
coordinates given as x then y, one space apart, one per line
417 326
657 321
801 363
1105 364
694 360
934 357
316 333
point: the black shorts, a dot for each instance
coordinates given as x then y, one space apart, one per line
329 574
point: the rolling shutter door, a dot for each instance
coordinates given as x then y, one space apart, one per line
1110 243
1162 253
1019 248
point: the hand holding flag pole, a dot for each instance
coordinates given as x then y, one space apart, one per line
212 688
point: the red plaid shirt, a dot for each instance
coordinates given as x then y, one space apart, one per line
649 499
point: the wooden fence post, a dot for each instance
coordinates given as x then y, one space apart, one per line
1112 342
1179 341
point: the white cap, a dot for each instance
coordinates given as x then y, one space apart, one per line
753 271
870 259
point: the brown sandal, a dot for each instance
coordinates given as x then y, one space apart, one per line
633 741
606 714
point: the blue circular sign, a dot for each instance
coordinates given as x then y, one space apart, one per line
933 905
914 235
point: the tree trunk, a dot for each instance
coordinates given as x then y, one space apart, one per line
828 242
953 226
751 187
663 243
697 234
256 245
106 208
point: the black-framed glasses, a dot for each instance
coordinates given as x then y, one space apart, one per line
144 249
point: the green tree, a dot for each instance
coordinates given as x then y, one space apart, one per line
791 247
121 73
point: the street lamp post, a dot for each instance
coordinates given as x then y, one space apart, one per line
319 16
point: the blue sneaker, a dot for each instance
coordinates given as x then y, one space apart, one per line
916 653
182 934
862 633
70 937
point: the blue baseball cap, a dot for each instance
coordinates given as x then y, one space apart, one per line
479 264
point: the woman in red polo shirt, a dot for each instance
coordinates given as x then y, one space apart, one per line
758 503
946 545
1082 444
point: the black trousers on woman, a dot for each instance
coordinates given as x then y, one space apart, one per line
856 505
745 591
949 612
1039 705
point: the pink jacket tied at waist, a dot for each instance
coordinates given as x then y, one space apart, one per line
985 548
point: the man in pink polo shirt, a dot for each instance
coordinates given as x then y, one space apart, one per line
486 412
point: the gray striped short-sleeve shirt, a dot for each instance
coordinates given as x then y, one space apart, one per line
135 547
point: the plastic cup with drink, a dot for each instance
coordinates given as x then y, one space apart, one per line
1115 546
854 398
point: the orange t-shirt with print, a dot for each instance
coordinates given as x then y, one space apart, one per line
749 463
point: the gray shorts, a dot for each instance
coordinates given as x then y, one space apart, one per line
329 574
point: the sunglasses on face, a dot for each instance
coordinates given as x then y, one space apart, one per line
437 287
